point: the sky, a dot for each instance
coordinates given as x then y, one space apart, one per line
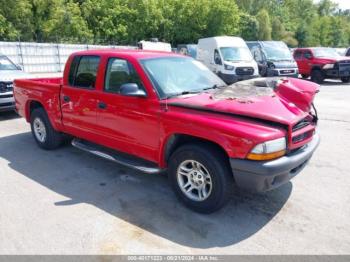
343 4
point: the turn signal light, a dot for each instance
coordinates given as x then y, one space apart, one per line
267 156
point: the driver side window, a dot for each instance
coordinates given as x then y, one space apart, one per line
120 72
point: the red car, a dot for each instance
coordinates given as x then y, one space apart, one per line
156 111
321 63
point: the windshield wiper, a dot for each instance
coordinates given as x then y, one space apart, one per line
212 87
182 93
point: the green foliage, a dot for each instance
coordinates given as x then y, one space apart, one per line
249 27
297 22
264 25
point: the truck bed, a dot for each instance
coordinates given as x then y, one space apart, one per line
39 89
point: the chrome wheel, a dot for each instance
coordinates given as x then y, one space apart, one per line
194 180
39 130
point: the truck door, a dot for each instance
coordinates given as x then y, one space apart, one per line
306 63
78 97
127 123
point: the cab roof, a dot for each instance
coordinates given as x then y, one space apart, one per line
134 53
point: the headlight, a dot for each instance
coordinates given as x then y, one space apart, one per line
268 150
229 67
328 66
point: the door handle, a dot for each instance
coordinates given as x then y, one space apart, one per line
102 105
66 98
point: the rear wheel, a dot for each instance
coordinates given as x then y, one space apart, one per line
43 132
304 76
317 76
345 79
201 177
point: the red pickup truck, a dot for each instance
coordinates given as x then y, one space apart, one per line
320 63
157 111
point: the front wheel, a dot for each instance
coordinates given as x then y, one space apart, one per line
345 79
201 177
43 132
317 76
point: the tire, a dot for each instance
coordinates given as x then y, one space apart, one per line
209 160
40 124
304 76
345 79
317 76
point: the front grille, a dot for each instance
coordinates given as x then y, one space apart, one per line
302 137
244 70
7 104
6 87
301 124
287 71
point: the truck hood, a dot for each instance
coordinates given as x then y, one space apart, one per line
333 60
10 75
285 101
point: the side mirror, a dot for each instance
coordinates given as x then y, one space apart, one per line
132 89
308 56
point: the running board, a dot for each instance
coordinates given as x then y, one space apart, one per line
120 158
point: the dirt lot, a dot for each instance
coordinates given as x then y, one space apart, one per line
69 202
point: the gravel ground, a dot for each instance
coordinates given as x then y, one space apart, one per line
69 202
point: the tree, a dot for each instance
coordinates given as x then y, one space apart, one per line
278 31
249 27
264 25
67 25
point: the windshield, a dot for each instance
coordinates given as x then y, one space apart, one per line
325 52
174 76
6 64
277 51
236 54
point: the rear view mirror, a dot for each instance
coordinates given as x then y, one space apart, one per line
132 89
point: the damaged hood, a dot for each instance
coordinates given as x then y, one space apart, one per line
279 100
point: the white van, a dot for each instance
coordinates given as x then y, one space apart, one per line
154 46
229 57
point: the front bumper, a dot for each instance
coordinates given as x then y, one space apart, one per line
335 73
230 79
7 102
260 176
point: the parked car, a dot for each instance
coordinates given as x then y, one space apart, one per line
321 63
228 57
157 111
8 72
187 49
154 45
274 58
347 52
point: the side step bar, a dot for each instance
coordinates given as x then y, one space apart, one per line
120 158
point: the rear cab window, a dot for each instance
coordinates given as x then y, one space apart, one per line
83 71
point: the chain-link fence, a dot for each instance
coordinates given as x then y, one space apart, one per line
45 57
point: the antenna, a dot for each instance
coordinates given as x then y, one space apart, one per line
166 104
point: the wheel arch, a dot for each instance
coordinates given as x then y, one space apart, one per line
35 104
316 67
174 141
30 106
